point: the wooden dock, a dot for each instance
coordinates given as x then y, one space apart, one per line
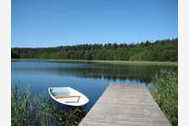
125 105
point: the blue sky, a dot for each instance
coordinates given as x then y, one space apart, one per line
47 23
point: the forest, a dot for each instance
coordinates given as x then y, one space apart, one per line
159 50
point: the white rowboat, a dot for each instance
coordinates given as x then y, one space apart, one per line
68 96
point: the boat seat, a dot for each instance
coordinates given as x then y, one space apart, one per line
66 96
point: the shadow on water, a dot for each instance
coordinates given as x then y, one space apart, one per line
119 72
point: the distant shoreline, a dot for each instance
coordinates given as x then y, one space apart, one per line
119 62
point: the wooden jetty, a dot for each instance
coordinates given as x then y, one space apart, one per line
125 105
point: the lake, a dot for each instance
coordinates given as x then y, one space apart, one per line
89 78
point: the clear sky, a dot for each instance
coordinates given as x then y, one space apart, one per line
44 23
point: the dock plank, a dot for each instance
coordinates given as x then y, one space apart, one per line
125 105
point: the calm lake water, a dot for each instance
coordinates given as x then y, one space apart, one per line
91 79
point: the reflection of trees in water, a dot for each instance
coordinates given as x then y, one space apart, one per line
102 71
117 72
138 73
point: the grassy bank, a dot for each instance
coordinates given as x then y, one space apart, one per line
119 62
27 110
165 93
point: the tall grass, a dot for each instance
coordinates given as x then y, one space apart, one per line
27 110
165 93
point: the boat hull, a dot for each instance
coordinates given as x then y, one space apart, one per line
72 97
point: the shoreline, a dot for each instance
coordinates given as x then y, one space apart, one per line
112 62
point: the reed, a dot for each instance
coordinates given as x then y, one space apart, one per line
165 93
40 110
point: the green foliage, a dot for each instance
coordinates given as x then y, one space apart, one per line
14 55
161 50
165 92
69 117
27 110
21 107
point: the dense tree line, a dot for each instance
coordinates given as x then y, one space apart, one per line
160 50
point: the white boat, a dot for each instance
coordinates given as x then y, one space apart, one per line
68 96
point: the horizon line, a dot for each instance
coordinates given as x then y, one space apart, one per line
103 43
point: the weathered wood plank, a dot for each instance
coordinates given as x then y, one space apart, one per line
125 105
